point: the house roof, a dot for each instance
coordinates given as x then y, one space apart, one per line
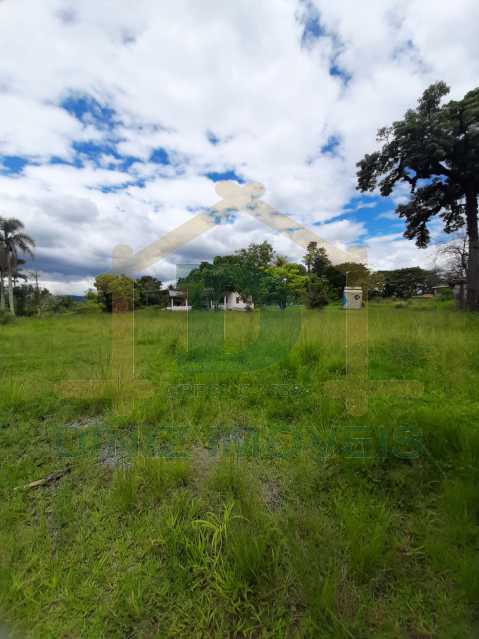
244 298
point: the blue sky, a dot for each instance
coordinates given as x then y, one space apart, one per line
115 126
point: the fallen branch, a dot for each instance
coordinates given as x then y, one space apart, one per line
46 480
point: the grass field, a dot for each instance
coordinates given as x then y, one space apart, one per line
229 493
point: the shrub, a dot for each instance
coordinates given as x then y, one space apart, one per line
87 307
310 354
446 295
6 318
317 292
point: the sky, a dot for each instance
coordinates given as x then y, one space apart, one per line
117 118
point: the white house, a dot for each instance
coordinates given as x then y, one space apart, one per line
233 301
441 288
178 301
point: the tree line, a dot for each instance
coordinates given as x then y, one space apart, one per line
270 279
433 149
258 272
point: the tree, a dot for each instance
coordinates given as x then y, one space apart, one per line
406 282
149 291
60 304
29 299
13 241
284 284
321 264
244 272
212 279
434 149
316 292
115 290
259 256
18 273
196 295
90 305
453 257
311 252
455 254
3 274
355 274
316 259
318 263
280 260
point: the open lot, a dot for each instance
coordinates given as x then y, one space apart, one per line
230 493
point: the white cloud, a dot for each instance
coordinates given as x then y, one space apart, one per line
391 252
388 215
386 252
174 71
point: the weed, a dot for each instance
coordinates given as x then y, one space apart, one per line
248 512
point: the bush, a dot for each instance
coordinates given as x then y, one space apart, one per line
118 290
446 295
6 318
317 292
53 304
87 307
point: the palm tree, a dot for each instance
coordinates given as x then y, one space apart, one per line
3 272
18 273
12 241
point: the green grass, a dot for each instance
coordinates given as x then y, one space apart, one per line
230 495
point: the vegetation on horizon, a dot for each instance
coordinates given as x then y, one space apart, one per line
257 271
269 279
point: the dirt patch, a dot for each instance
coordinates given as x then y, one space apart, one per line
271 494
83 422
232 440
201 460
113 457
